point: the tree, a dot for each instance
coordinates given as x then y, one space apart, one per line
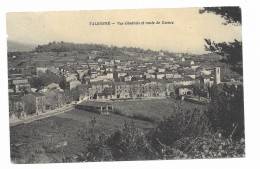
231 51
226 110
30 108
45 79
71 95
129 144
197 90
96 149
232 15
182 123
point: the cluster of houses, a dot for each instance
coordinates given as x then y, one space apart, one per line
110 79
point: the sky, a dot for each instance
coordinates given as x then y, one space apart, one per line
187 34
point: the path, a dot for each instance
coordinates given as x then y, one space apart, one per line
44 115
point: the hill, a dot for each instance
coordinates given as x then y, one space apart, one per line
13 46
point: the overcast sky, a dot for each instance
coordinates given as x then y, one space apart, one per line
187 34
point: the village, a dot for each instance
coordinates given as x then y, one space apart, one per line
90 81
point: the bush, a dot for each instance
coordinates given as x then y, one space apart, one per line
117 112
212 146
126 144
129 144
182 123
32 153
96 149
139 116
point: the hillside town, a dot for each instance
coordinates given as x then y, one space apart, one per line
96 77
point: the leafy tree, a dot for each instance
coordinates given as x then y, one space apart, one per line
71 95
232 15
231 51
126 144
181 123
129 144
96 149
197 90
226 111
44 80
15 109
30 108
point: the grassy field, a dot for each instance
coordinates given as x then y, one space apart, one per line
158 108
38 141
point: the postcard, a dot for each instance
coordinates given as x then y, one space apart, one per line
125 85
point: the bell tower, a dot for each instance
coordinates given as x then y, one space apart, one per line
217 75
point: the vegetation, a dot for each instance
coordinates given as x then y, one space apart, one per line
44 79
137 116
231 51
103 50
182 122
226 111
187 133
232 15
154 108
15 110
126 144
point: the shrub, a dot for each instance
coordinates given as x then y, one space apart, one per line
118 112
213 146
126 144
31 153
129 144
96 149
182 123
139 116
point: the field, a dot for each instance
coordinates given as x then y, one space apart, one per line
38 141
56 137
158 108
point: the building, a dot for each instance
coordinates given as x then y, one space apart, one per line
21 85
41 70
184 91
122 90
95 107
160 75
206 81
74 84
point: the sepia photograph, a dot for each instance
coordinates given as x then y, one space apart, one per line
125 85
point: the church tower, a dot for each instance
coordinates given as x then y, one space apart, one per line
217 75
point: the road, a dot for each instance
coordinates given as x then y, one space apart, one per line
44 115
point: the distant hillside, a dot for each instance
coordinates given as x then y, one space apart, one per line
102 50
21 47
